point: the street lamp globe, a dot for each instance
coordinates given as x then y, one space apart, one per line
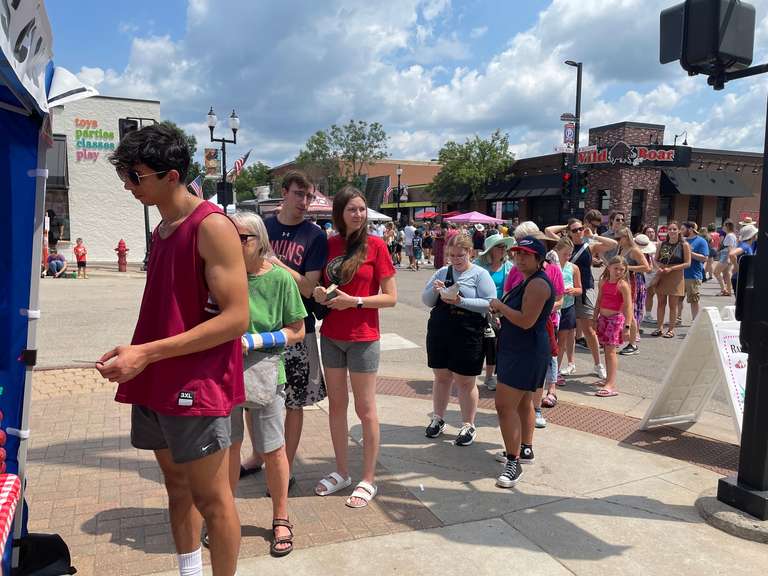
212 118
234 122
399 170
571 63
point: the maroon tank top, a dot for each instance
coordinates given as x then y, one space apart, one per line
207 383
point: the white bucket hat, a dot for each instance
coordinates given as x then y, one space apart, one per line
747 232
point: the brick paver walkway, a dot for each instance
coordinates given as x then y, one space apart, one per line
106 498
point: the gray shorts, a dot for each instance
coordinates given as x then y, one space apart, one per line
585 304
356 356
267 424
188 438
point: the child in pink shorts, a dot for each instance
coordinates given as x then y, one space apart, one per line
613 315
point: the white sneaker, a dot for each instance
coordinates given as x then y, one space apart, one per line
491 382
600 372
541 422
569 370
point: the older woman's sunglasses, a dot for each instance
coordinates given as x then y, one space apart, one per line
135 177
245 237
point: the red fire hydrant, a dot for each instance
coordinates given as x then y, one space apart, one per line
122 256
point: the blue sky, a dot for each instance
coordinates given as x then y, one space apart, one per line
428 70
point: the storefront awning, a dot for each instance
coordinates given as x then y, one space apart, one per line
692 182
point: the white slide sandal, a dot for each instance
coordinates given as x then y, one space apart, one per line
333 483
364 491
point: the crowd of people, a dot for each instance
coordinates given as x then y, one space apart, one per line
226 342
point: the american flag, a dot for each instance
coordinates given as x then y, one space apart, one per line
238 167
197 186
387 195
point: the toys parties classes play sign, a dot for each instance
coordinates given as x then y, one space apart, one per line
91 140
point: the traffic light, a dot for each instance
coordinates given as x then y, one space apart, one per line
583 183
565 184
126 125
708 36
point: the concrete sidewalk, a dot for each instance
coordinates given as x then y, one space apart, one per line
590 504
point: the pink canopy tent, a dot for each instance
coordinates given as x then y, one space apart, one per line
474 218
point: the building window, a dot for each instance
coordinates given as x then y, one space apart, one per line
666 208
510 209
57 186
605 200
694 209
722 211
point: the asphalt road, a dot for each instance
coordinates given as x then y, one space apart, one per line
82 319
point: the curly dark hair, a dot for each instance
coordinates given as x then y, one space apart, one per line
162 147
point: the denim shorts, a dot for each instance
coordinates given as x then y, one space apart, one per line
356 356
267 424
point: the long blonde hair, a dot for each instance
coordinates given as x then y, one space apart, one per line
615 260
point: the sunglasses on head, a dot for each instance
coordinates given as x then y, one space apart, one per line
135 177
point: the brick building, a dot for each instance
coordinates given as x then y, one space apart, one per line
628 168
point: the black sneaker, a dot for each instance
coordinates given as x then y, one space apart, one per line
511 475
582 343
629 350
526 455
466 435
435 428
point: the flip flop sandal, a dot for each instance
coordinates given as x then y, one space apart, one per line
657 333
549 401
330 487
606 393
278 540
669 334
364 491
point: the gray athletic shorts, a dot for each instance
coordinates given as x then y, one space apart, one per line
188 438
267 424
356 356
585 304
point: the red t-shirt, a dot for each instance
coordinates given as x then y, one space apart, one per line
80 252
357 324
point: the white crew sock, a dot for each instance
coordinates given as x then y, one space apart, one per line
191 564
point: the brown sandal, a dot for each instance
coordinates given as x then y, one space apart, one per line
277 540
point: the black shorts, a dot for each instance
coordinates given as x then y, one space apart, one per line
568 318
81 264
455 341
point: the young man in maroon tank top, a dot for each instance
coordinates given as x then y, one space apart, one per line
183 371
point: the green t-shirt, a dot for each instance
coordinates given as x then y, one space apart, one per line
274 302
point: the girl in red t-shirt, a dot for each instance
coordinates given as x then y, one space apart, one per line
360 266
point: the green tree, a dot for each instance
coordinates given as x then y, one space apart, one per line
252 176
340 154
472 166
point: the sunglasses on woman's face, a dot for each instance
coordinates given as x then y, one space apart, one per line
244 238
135 177
576 230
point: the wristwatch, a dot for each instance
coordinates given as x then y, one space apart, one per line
359 302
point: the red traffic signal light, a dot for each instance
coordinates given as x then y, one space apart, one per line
566 176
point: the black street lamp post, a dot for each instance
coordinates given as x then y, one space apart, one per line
577 123
685 141
234 124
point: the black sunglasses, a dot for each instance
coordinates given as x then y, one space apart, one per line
135 177
574 230
245 237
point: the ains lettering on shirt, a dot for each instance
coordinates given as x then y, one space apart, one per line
289 251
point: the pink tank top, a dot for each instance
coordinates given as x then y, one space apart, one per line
611 298
207 383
